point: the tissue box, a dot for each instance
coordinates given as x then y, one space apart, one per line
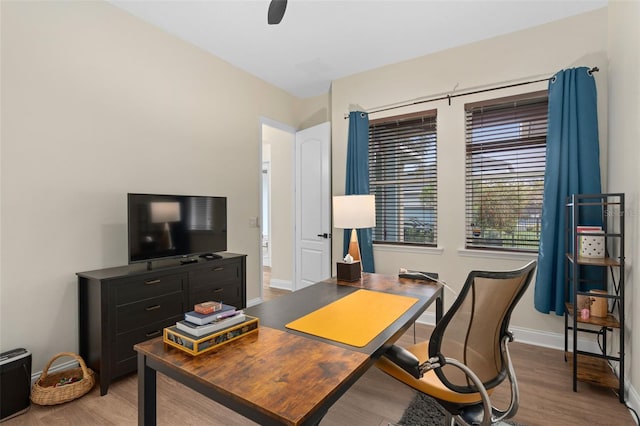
599 305
348 271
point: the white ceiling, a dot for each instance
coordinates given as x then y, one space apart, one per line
322 40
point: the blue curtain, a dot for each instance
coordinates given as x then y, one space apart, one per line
573 167
357 182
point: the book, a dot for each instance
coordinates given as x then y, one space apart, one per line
201 319
207 308
201 330
195 345
582 229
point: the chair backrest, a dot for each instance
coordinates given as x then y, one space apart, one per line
472 329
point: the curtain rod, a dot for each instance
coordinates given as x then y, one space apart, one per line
449 97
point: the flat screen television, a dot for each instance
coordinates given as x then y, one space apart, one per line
170 226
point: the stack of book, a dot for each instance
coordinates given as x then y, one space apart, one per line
208 326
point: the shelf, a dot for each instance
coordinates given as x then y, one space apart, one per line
608 321
613 199
594 261
593 203
603 235
594 370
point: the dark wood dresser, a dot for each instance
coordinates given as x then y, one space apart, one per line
119 307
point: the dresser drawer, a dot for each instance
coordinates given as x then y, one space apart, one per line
133 290
216 274
124 359
228 293
140 314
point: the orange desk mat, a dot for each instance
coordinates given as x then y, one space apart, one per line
355 319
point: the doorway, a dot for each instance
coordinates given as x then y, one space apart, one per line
277 207
295 206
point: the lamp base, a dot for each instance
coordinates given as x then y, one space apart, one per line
348 271
354 247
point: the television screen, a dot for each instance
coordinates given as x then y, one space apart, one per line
165 226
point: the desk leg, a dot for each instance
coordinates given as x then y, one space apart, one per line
146 393
440 305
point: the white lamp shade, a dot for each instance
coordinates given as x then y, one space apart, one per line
162 211
354 211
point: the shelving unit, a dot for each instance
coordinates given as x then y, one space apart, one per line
583 273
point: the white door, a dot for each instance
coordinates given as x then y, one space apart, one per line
313 205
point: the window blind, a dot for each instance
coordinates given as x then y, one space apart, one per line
505 163
402 176
200 213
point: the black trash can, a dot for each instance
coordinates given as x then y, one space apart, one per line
15 382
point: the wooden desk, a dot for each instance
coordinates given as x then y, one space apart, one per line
280 376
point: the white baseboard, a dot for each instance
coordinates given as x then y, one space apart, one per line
55 369
529 336
255 301
633 401
281 284
275 283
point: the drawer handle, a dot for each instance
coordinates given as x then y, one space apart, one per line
154 333
218 269
152 282
218 290
152 308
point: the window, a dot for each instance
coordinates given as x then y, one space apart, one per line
505 161
402 176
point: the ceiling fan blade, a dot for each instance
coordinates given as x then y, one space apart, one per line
276 11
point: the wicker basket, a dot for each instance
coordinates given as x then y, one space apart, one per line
45 391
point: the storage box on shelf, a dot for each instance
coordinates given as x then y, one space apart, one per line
598 313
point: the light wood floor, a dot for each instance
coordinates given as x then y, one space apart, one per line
376 399
269 293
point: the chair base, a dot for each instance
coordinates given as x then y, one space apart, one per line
469 416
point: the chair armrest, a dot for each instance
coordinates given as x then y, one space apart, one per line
491 414
404 359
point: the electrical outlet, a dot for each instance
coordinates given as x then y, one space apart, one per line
253 222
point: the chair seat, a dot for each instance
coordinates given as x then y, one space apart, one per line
429 384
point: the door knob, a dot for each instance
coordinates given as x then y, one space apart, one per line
325 235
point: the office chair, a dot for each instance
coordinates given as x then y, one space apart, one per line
467 357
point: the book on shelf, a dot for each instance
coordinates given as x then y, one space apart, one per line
200 330
584 229
201 319
195 345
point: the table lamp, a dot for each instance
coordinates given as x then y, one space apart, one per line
165 212
354 212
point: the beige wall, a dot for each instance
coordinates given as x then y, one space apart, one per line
624 156
536 52
313 111
95 104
